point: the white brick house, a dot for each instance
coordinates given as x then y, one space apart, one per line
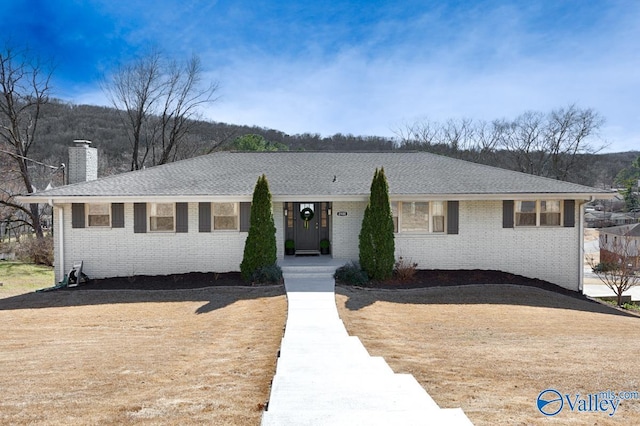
193 215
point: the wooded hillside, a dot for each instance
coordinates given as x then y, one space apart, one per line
61 123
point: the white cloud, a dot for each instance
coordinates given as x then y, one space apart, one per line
481 63
364 92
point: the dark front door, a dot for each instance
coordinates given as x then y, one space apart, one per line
307 232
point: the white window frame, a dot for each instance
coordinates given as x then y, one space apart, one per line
538 212
213 217
88 215
430 230
150 216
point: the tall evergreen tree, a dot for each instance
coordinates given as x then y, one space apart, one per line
260 246
377 246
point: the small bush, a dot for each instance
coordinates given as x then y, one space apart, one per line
351 273
405 270
36 250
7 250
271 274
631 306
605 267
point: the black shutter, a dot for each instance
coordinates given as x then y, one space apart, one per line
245 217
204 217
182 217
452 217
569 213
139 218
77 215
507 214
117 215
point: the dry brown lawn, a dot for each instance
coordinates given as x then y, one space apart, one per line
492 349
175 357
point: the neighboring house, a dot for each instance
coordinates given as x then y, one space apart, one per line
621 241
601 219
193 215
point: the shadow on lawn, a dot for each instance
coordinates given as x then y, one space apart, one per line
212 297
474 294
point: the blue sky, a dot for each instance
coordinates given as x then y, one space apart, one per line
359 67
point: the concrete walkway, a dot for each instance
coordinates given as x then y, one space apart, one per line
326 377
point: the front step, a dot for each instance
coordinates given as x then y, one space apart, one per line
318 417
308 271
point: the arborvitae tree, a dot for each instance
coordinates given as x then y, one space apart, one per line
260 246
377 247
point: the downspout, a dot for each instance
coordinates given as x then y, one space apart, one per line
60 234
581 252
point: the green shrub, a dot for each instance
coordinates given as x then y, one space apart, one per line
605 267
271 274
631 306
376 241
260 246
36 250
351 273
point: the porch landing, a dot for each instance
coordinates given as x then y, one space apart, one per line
326 377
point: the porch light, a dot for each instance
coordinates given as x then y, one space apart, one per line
286 212
329 211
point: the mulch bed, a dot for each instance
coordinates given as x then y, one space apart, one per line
443 278
422 279
166 282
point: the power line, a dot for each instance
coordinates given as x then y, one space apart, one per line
13 154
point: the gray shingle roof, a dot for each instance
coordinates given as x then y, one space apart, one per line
312 173
632 230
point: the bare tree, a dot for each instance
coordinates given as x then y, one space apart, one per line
550 145
183 96
568 135
459 134
134 90
24 89
159 102
421 134
524 143
487 138
618 264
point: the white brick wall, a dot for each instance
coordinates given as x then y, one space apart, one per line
346 229
83 164
551 254
115 252
278 218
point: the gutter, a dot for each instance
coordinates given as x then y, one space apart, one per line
581 252
63 199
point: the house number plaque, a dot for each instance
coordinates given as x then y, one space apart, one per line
341 213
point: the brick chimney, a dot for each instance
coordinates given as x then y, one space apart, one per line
83 162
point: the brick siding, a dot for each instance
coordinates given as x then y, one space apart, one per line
552 254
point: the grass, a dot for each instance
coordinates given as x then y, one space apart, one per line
18 277
207 356
185 357
633 306
492 349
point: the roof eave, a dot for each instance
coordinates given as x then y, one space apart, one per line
65 199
